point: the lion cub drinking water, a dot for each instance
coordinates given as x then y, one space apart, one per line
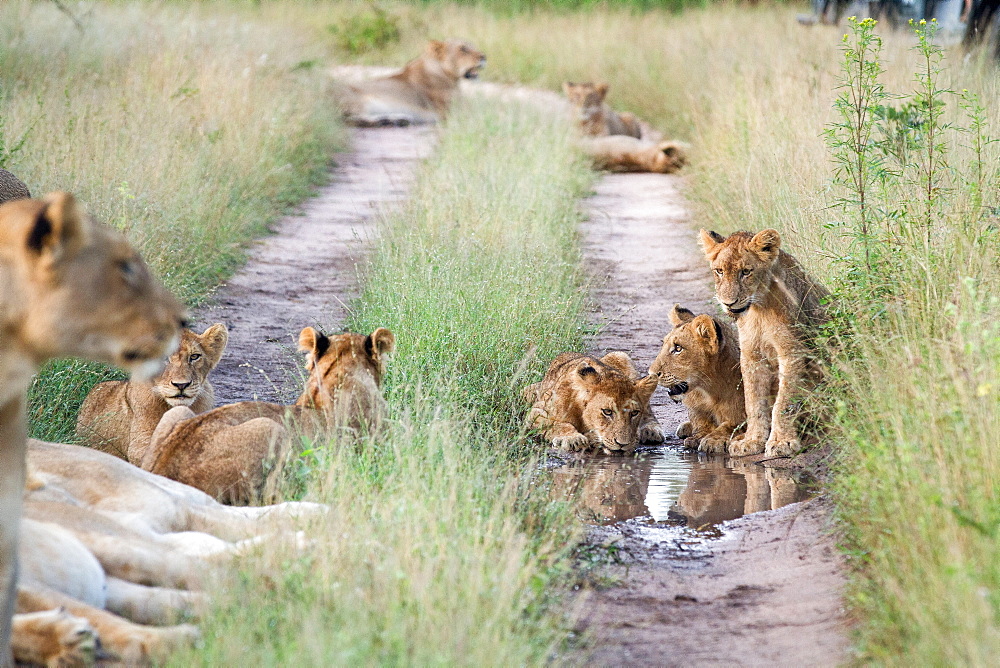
700 362
586 403
119 416
234 452
777 307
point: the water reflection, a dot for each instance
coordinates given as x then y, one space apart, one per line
676 487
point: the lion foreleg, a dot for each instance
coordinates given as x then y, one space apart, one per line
150 605
715 441
565 436
13 471
784 440
758 379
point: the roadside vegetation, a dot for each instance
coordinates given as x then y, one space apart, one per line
442 548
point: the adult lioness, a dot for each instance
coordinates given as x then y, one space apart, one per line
619 153
119 416
68 286
586 403
420 93
700 362
594 117
777 307
235 452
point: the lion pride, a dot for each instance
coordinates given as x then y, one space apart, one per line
420 93
587 403
71 287
777 307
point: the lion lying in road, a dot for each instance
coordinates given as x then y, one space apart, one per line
119 416
594 117
619 153
700 362
71 287
777 306
235 452
586 403
420 93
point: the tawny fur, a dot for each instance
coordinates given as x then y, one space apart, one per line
235 452
619 153
777 307
700 363
55 639
585 403
119 416
70 287
421 92
594 117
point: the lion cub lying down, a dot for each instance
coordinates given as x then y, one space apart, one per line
619 153
235 452
119 416
700 362
420 93
594 117
586 403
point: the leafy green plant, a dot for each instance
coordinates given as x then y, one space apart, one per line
370 31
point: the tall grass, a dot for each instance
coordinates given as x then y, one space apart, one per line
188 127
441 549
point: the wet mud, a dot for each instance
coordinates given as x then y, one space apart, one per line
720 561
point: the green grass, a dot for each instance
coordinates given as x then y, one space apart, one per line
188 127
442 548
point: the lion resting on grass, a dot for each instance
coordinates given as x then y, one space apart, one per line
777 307
620 153
594 117
71 287
420 93
235 452
700 362
586 403
119 416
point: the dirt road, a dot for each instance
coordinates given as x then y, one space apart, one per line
769 591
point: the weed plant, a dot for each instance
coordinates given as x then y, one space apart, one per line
442 547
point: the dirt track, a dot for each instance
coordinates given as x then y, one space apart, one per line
770 591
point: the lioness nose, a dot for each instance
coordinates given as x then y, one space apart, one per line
181 386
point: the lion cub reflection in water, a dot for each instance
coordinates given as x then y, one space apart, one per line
235 452
585 403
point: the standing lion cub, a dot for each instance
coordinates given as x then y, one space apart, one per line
777 307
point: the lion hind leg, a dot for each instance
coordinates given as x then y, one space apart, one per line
151 605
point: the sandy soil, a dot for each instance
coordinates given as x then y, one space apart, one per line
770 591
307 272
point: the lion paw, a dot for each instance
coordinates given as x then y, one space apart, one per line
684 430
651 433
782 447
712 445
691 443
746 446
68 640
570 443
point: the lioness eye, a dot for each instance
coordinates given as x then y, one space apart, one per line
195 357
677 348
126 267
718 272
745 273
607 412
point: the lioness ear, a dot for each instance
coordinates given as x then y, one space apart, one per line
60 229
705 327
437 48
214 341
379 343
645 387
601 89
709 240
588 373
766 243
622 362
312 341
679 315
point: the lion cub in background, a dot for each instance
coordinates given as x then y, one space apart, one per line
594 116
777 307
700 362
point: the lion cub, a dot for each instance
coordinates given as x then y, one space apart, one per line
420 93
594 116
119 416
586 403
618 153
235 452
700 362
777 307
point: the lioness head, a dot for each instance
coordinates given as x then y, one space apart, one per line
79 289
613 402
456 58
672 156
689 352
742 263
333 360
186 372
588 98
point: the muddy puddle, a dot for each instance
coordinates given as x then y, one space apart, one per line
671 488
